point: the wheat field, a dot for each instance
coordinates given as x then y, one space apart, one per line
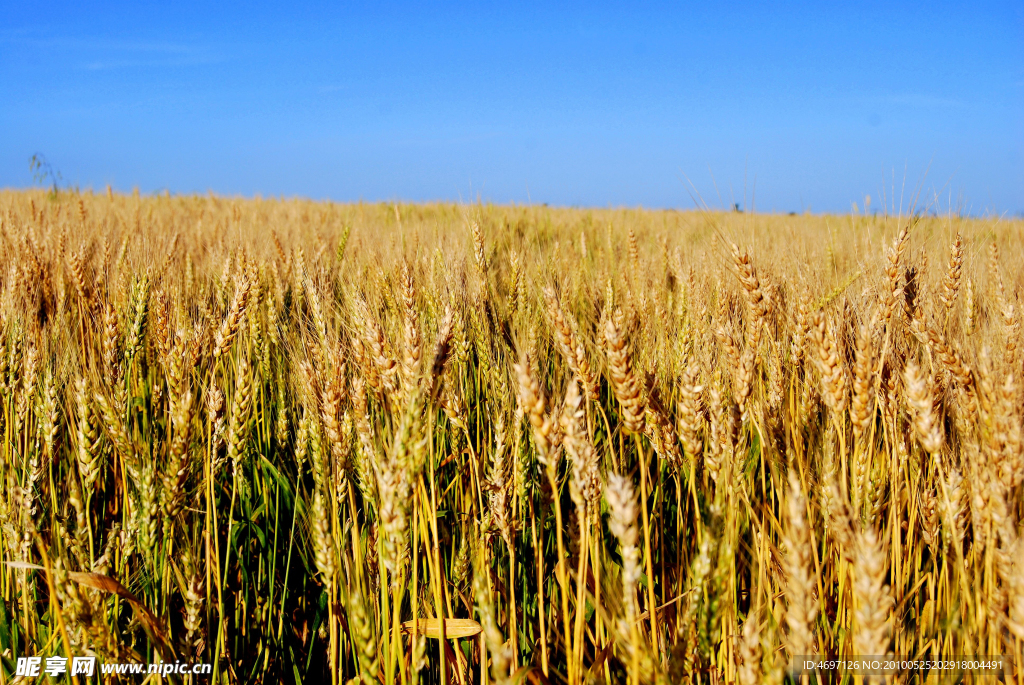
356 443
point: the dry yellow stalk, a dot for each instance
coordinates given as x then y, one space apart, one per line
624 381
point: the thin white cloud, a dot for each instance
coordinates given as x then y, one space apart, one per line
93 53
925 100
189 61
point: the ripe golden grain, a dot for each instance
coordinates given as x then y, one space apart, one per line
802 449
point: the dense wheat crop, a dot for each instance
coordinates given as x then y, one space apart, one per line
601 446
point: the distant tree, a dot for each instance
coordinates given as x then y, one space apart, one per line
44 174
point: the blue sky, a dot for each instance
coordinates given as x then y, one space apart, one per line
791 106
